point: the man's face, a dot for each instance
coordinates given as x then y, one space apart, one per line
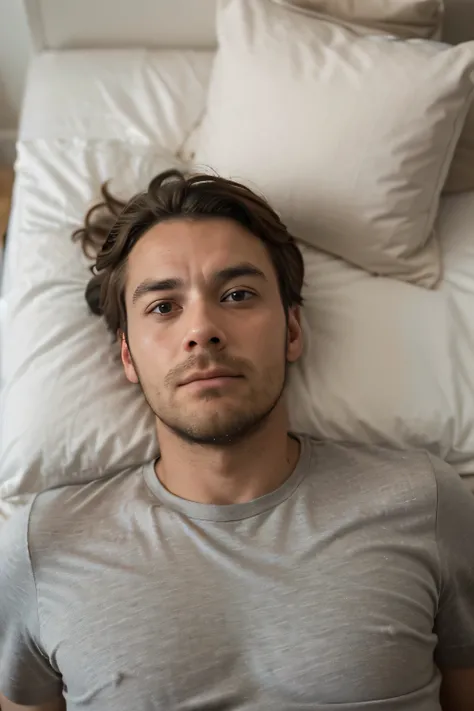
207 336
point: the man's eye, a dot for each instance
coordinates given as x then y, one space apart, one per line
163 308
239 295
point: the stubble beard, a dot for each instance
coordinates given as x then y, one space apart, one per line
219 431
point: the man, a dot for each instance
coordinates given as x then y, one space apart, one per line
247 567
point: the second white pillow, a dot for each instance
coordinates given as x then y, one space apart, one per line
349 137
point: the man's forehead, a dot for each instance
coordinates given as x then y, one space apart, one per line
204 243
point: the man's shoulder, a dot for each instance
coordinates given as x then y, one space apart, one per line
374 454
78 505
369 469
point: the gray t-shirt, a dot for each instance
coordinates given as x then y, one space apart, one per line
343 588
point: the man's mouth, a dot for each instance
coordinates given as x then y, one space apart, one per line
214 376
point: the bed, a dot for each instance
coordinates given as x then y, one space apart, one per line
120 97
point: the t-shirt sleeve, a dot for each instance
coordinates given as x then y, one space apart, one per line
26 676
454 624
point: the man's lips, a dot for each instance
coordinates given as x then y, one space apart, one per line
210 376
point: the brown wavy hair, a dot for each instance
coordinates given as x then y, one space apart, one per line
112 227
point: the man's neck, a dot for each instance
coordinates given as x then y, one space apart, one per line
237 473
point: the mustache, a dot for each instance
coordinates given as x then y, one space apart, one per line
204 361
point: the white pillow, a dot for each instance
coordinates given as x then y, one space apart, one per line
67 411
136 95
384 361
407 19
350 137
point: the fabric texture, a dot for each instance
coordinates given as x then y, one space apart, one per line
404 18
142 97
130 597
409 19
323 122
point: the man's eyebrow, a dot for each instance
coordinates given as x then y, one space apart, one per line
156 285
222 276
244 269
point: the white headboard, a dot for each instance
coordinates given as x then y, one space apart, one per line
82 24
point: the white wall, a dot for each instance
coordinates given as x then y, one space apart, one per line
15 51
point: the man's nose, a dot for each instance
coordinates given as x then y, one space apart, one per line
203 331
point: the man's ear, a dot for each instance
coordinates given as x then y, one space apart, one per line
294 343
127 360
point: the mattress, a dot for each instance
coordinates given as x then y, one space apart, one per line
384 361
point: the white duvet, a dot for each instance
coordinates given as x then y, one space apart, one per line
384 361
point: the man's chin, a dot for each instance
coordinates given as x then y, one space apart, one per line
219 420
210 432
211 439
